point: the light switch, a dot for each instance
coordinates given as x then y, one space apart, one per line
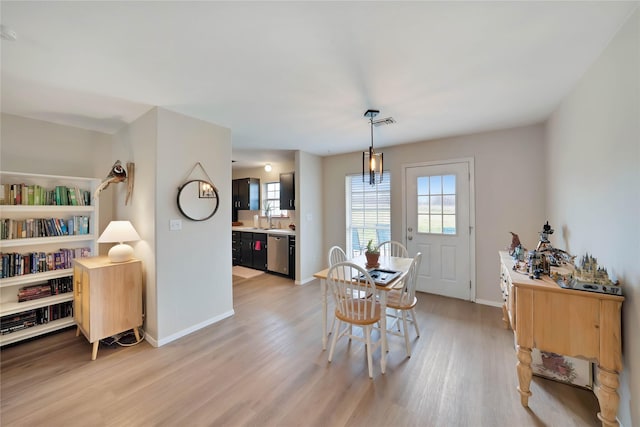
175 224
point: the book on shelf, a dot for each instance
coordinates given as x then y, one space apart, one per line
38 316
43 227
18 264
24 194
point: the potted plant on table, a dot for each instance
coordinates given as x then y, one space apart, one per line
372 253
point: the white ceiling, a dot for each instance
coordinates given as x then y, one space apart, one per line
300 75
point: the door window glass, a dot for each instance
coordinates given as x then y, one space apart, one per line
437 204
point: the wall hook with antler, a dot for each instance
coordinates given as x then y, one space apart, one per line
117 174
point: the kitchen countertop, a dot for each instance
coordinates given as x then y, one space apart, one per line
274 231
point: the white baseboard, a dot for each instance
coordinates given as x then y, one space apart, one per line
189 330
491 303
305 281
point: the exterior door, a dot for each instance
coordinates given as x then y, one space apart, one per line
438 225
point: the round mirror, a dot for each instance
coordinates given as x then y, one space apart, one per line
198 200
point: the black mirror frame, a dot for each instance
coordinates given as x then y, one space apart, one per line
215 191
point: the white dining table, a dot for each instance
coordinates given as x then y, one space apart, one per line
400 264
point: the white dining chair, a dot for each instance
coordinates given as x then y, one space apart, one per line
336 255
393 248
403 301
352 310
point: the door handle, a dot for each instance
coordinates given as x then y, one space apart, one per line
409 237
410 229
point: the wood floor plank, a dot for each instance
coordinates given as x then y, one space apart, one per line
265 366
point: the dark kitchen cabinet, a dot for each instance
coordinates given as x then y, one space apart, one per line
252 250
245 195
246 249
236 245
292 257
259 260
287 191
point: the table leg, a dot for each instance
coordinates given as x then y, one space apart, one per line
323 287
608 397
94 353
136 333
524 374
383 332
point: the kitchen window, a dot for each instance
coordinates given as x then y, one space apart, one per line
368 212
271 198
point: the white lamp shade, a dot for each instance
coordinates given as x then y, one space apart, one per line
119 232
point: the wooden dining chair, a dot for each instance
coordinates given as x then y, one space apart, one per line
393 248
403 301
353 311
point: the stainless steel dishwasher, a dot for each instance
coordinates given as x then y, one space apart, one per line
278 254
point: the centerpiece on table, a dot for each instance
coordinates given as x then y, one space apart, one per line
372 253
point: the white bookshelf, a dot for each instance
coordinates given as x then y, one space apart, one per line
10 286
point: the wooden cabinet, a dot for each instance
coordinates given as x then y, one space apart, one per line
565 321
35 253
287 191
107 298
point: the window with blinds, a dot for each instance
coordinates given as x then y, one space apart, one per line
368 212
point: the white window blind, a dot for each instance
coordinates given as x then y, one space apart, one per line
368 212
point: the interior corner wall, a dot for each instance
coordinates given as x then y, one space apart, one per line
310 256
593 151
193 265
137 143
35 146
509 192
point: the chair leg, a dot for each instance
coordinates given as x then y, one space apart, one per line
398 319
367 331
405 331
415 321
334 338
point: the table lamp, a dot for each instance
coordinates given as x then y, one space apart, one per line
119 231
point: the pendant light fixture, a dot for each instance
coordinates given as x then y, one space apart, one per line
372 162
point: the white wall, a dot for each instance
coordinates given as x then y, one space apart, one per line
310 256
594 184
194 285
35 146
137 143
509 182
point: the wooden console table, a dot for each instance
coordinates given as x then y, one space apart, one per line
565 321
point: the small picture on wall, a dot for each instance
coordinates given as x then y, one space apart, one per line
206 190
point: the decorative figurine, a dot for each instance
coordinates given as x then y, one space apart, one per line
544 236
516 250
587 276
515 242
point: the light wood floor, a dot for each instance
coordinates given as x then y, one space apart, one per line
265 367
